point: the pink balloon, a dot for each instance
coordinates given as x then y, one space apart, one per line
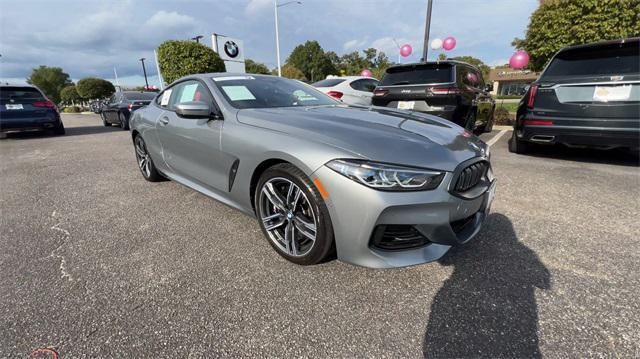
473 78
406 50
366 73
519 59
449 43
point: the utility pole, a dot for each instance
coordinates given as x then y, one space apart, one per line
197 38
427 26
144 70
275 9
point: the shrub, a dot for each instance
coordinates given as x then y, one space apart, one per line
92 88
69 94
502 117
71 109
182 58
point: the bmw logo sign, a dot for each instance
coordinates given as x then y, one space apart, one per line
231 49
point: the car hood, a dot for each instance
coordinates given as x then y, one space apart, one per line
373 133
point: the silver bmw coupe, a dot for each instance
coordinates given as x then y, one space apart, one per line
378 187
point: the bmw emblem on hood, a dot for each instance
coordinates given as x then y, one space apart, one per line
231 49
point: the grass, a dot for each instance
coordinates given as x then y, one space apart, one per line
511 107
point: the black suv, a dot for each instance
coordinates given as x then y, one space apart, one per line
449 89
119 107
588 96
26 108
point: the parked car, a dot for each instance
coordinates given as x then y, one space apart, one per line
26 108
382 187
449 89
588 96
352 90
119 107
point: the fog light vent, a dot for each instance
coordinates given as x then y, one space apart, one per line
396 237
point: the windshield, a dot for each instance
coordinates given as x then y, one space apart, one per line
266 92
615 59
417 75
139 96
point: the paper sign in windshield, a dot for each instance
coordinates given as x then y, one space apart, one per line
238 93
188 93
165 98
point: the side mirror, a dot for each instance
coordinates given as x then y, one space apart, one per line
488 87
193 109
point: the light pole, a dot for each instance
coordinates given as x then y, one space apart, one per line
427 27
275 8
144 70
197 38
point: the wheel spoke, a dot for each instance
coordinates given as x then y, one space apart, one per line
274 197
140 151
308 229
147 167
274 221
290 238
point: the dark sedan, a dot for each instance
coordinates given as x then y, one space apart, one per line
26 108
119 107
588 96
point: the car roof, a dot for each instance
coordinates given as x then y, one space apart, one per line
6 84
601 43
451 62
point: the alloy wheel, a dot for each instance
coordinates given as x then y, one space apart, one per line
287 216
144 161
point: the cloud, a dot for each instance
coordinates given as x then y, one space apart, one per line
170 19
354 44
256 6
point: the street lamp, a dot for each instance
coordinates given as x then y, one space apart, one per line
144 70
275 7
197 38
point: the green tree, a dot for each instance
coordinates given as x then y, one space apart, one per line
442 56
475 62
290 72
51 80
559 23
182 58
311 59
90 88
252 67
70 95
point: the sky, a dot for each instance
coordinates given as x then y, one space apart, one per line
90 37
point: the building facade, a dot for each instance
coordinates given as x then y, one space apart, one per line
510 82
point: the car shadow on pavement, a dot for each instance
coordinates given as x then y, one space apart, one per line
560 152
70 131
487 308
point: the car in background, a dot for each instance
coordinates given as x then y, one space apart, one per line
26 108
588 96
352 90
453 90
381 187
117 109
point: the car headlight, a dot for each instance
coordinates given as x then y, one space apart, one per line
387 177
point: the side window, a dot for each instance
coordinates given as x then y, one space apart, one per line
357 85
469 77
188 91
370 85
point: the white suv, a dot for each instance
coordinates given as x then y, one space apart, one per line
353 90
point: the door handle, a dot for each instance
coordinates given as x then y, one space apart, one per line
164 120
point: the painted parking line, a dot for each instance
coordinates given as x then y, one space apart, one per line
496 137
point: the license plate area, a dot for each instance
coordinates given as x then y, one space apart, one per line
612 93
14 106
406 105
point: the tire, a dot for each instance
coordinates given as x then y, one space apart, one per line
470 124
104 120
145 163
516 145
124 123
301 208
488 127
59 130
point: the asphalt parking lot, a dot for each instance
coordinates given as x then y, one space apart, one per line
97 262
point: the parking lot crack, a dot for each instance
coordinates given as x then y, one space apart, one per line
54 254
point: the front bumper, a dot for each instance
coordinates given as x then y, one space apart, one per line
357 210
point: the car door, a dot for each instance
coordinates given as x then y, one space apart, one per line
191 147
483 99
107 108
